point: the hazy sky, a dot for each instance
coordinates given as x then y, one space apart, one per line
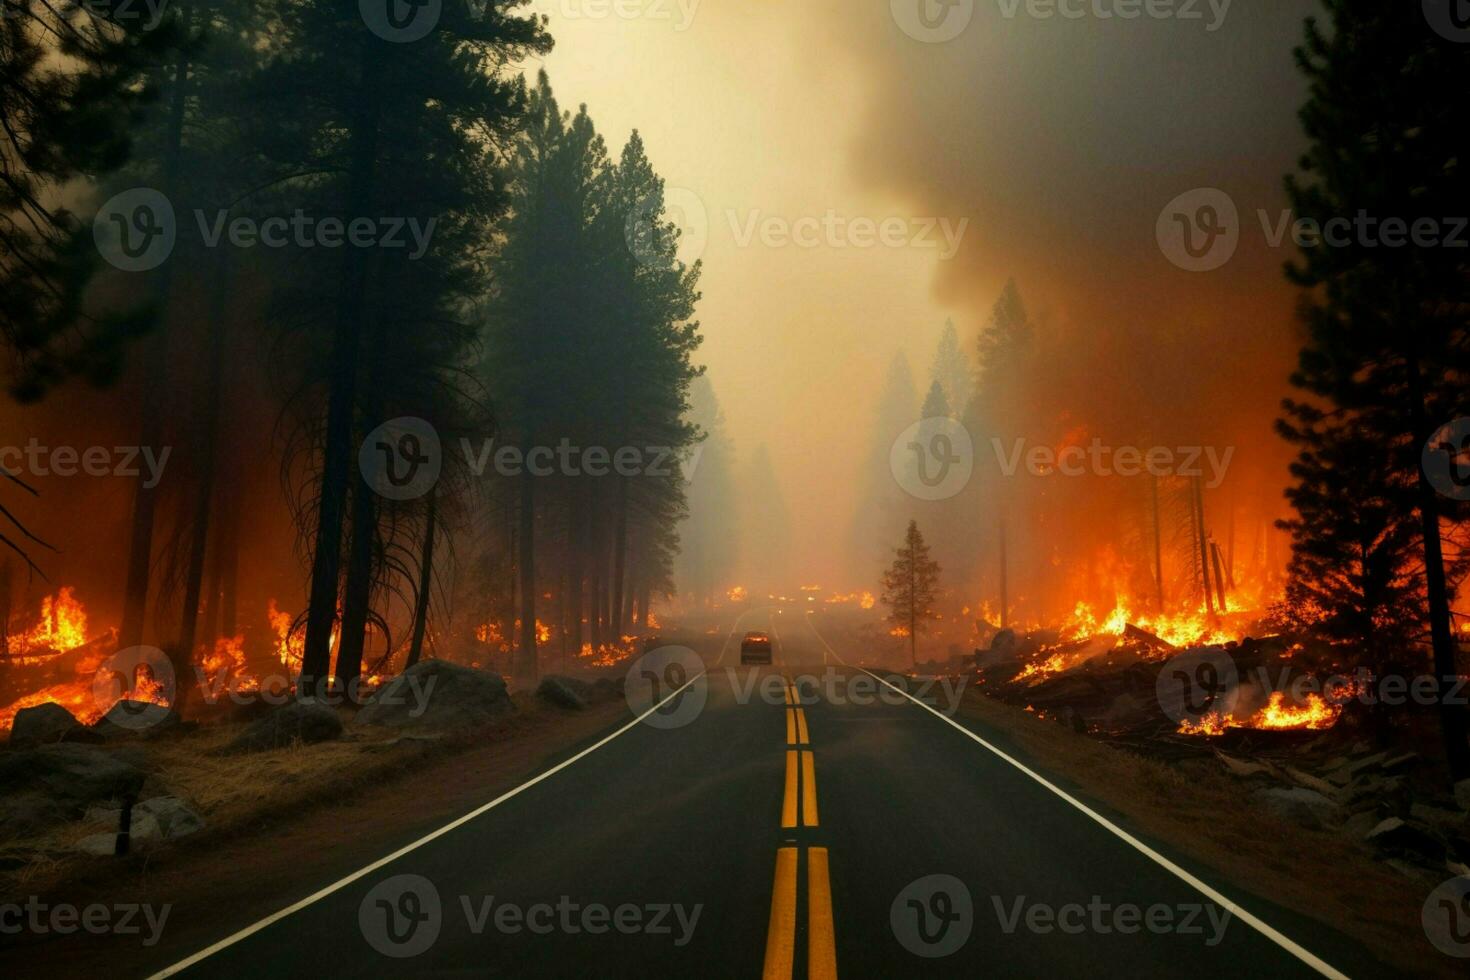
1053 142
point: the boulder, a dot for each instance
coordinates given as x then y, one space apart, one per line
78 774
44 723
564 692
1462 794
1300 805
1242 767
438 695
130 718
304 721
1003 647
170 815
1400 838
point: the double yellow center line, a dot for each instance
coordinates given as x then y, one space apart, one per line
801 788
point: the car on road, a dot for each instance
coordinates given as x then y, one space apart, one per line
755 648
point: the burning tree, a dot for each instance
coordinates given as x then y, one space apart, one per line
1386 356
910 588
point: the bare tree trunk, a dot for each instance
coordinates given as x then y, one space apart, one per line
1451 715
426 585
1158 546
1204 550
1005 602
620 555
209 438
526 666
1219 576
326 563
155 358
357 591
576 581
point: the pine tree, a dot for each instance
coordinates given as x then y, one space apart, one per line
1388 352
910 587
952 369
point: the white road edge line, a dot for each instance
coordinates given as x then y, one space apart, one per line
336 886
1280 939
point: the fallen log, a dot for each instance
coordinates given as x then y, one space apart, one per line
1132 632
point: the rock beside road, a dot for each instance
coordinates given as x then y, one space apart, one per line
307 722
42 786
565 692
436 695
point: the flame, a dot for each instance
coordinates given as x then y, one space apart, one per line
651 621
291 646
63 625
1317 714
736 594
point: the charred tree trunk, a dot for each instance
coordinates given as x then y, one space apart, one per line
209 437
1158 546
326 564
576 575
426 585
155 359
1219 577
1451 714
1005 604
526 666
358 589
1204 548
620 556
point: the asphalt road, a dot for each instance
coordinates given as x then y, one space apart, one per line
733 833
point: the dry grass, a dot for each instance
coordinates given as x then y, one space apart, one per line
236 792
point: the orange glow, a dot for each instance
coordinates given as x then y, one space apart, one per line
736 594
63 625
1316 715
